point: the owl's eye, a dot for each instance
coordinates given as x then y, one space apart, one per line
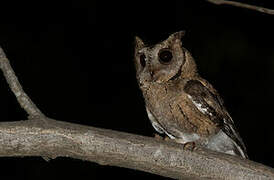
143 60
165 56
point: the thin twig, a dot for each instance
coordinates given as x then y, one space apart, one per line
23 99
243 5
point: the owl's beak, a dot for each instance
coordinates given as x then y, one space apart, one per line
144 82
143 85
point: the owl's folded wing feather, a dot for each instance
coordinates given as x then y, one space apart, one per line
209 103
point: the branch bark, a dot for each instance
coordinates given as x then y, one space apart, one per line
243 5
41 136
22 98
108 147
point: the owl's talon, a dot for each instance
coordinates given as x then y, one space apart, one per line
157 136
191 146
166 138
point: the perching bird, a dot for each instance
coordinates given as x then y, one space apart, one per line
179 102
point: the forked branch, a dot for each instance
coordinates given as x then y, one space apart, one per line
107 147
22 98
41 136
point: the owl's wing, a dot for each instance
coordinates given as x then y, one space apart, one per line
209 103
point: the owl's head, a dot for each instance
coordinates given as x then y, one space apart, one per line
162 62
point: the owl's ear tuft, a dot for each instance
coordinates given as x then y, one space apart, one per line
139 43
176 36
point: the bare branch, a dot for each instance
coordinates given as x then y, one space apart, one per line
23 99
107 147
54 139
243 5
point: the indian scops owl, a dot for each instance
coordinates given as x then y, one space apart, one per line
180 103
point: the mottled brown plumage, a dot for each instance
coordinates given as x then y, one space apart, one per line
179 102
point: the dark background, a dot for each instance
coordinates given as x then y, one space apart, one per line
75 60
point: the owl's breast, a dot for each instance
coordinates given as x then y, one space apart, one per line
175 112
161 100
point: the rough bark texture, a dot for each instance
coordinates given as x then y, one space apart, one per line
54 138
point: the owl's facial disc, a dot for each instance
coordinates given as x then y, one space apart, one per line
161 62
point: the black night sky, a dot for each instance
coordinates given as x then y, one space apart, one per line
75 60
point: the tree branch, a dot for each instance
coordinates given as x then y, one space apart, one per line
243 5
41 136
22 98
107 147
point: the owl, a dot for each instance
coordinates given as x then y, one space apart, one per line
179 102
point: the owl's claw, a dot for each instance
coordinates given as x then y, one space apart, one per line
157 136
165 138
191 146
